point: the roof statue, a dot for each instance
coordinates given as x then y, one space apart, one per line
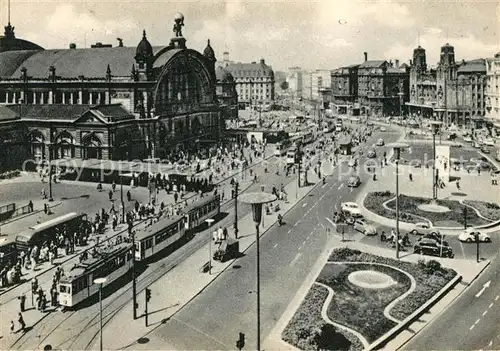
179 23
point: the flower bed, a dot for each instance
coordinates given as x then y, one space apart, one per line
429 276
410 213
302 330
359 308
374 202
488 210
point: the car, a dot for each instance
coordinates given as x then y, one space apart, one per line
423 228
489 142
468 139
361 226
433 248
485 150
353 181
436 237
469 236
380 142
383 129
371 154
457 145
351 208
350 220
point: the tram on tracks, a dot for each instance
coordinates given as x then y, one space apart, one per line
168 231
111 262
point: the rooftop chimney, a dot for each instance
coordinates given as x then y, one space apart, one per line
366 56
225 56
100 45
262 62
72 46
397 63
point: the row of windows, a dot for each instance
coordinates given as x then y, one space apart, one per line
203 211
168 232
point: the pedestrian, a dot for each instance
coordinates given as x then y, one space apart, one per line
45 208
21 322
12 327
129 196
30 206
22 302
110 195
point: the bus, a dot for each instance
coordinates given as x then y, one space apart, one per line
282 147
290 156
69 223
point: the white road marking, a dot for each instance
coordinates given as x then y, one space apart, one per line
289 231
340 186
491 305
324 186
477 321
297 256
329 220
275 245
471 327
303 242
491 343
496 298
484 313
304 205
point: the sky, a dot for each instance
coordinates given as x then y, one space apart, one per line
322 34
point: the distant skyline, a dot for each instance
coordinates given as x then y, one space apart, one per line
286 33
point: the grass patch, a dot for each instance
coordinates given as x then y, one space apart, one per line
359 308
374 202
410 213
308 331
429 276
488 210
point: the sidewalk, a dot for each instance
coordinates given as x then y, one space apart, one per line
181 284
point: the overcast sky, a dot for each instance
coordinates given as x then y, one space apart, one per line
286 33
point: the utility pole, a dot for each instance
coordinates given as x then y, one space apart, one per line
476 236
148 297
134 280
236 189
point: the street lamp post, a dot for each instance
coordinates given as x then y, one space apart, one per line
50 172
209 221
134 279
100 281
121 195
397 151
434 126
257 200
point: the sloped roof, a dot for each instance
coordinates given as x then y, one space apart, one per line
478 65
111 113
11 60
72 63
7 114
165 57
372 64
249 69
395 70
223 75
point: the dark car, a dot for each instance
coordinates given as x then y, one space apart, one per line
436 237
432 248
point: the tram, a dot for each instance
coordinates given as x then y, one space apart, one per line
158 237
109 262
168 231
71 223
8 252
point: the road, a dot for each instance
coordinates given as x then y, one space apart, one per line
227 306
472 322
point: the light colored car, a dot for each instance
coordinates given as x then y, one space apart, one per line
423 228
351 208
353 181
468 139
383 129
489 142
380 142
361 226
469 236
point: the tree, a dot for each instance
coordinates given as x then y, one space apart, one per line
284 85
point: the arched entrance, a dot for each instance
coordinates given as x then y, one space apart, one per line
91 146
196 127
64 145
36 140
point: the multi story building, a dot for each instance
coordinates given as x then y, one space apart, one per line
254 82
294 80
107 102
492 92
453 92
372 88
226 93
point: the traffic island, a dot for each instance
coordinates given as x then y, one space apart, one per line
363 298
420 209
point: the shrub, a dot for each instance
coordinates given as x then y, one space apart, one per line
432 267
10 174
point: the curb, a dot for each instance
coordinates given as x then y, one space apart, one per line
415 315
13 219
451 302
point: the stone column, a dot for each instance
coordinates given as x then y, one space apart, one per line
7 97
34 98
51 97
64 98
107 98
91 98
80 97
22 96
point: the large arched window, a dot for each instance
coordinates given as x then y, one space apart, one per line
64 145
91 146
37 144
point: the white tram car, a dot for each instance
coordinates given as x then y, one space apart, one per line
166 232
78 284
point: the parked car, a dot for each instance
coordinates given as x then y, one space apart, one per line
351 208
380 142
457 145
354 181
361 226
468 139
423 228
371 153
383 129
434 236
469 236
433 248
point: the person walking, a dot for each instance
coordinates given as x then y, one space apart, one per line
21 322
12 327
22 302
